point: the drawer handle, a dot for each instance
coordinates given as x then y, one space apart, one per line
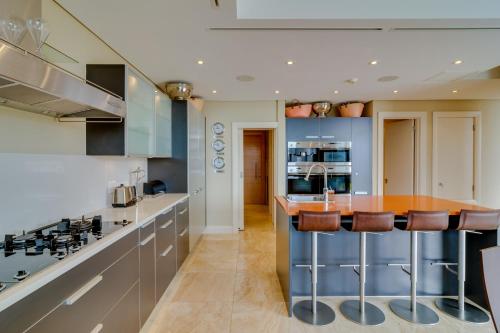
147 224
166 225
167 251
312 136
147 240
328 136
183 211
97 329
183 201
168 211
83 290
184 232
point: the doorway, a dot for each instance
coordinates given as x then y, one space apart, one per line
399 157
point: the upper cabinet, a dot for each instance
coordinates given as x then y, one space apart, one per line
335 129
314 129
147 128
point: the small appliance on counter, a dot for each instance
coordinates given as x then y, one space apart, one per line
154 187
124 196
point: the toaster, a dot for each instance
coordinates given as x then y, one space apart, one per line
124 196
154 187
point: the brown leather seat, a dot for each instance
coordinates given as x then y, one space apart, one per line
372 222
319 221
491 274
419 220
479 220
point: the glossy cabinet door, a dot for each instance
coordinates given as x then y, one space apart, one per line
124 317
182 230
140 116
361 156
147 262
303 129
163 132
335 129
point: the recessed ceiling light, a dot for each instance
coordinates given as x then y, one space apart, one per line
276 91
388 78
395 91
455 91
373 62
156 91
458 62
352 81
289 62
335 92
200 62
214 91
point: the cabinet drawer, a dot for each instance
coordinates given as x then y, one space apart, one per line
182 215
29 310
165 232
182 245
147 229
147 276
124 317
93 298
166 268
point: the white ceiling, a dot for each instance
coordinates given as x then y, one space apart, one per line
165 38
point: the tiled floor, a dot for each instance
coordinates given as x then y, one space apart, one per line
229 284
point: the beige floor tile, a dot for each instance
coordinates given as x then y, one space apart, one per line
271 319
257 288
256 262
205 287
206 262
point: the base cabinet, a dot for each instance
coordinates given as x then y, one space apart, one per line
182 229
124 317
147 270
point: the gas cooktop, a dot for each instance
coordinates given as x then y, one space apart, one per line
23 255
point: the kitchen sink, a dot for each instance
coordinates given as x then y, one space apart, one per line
305 197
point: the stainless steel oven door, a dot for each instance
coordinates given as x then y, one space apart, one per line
298 185
340 183
336 152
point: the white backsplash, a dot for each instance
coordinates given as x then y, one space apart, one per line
36 189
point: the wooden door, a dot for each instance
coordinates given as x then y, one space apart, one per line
399 157
455 158
255 167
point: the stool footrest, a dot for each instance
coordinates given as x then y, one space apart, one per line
447 266
402 267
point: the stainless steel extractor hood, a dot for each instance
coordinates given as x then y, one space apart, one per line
30 83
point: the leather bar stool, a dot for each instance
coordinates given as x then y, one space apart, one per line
470 221
411 310
360 311
312 311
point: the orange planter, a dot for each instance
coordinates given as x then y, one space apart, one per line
298 111
351 110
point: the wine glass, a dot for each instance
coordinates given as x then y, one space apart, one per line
39 31
13 30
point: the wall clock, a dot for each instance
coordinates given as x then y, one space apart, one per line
218 128
218 163
218 145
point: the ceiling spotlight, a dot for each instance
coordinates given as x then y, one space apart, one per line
352 81
214 91
455 91
200 62
395 91
458 62
335 92
373 62
289 62
276 91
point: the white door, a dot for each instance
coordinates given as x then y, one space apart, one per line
454 158
399 156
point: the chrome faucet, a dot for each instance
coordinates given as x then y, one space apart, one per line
326 190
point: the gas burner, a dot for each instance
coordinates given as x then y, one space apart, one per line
21 275
75 248
60 255
27 240
64 239
2 286
81 225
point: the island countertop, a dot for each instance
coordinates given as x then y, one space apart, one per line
399 204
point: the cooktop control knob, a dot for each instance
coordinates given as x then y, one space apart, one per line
21 275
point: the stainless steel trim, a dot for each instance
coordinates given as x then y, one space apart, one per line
41 87
168 211
97 328
320 144
182 212
148 239
167 251
147 224
183 232
167 224
83 290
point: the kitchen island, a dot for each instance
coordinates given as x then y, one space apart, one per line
293 251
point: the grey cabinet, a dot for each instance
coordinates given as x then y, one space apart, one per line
182 229
302 129
361 155
335 129
124 317
166 251
147 262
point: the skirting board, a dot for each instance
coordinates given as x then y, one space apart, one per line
220 230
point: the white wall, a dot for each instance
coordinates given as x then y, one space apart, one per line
219 185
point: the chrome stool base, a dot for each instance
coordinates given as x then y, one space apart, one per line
471 313
422 314
324 314
352 311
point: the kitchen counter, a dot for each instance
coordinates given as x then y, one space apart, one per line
399 204
139 214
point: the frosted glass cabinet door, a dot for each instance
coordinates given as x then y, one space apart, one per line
163 106
140 116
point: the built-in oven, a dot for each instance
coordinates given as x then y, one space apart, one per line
339 179
335 152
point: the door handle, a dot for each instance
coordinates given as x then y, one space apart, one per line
183 211
83 290
167 251
166 225
147 240
183 232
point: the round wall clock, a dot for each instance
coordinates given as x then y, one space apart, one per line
218 163
218 128
218 145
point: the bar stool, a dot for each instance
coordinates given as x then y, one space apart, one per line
411 310
312 311
360 311
470 221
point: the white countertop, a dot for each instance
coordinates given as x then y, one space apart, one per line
139 214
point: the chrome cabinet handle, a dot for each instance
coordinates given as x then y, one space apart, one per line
328 136
167 251
83 290
168 211
98 328
147 240
184 232
312 136
183 211
166 225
